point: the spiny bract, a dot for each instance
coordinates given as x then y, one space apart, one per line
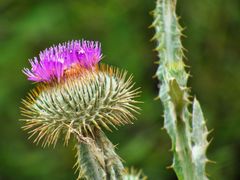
84 100
133 174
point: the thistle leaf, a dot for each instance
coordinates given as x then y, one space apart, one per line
199 139
188 146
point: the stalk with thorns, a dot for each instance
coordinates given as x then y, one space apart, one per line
75 97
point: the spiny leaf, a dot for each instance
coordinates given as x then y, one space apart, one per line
189 151
199 140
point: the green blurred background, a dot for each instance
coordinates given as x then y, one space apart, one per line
213 30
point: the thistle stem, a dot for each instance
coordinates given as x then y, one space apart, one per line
90 167
98 160
189 141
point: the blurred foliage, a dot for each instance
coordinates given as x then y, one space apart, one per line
213 26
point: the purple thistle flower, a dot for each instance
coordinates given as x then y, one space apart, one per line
52 62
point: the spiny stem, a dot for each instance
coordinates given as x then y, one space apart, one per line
189 142
98 160
113 163
88 163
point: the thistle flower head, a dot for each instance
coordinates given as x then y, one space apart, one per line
134 174
54 61
87 98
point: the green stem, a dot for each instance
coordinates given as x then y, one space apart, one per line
90 168
98 160
183 154
189 141
113 164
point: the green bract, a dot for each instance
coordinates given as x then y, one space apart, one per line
78 106
88 100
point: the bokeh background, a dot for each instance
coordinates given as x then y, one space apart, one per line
213 37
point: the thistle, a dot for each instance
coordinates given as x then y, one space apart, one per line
187 131
76 97
133 174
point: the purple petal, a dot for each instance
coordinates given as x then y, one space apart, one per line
52 62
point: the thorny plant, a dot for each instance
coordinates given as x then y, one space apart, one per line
188 131
76 97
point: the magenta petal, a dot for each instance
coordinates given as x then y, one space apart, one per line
53 61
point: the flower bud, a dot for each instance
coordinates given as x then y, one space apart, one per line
84 100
